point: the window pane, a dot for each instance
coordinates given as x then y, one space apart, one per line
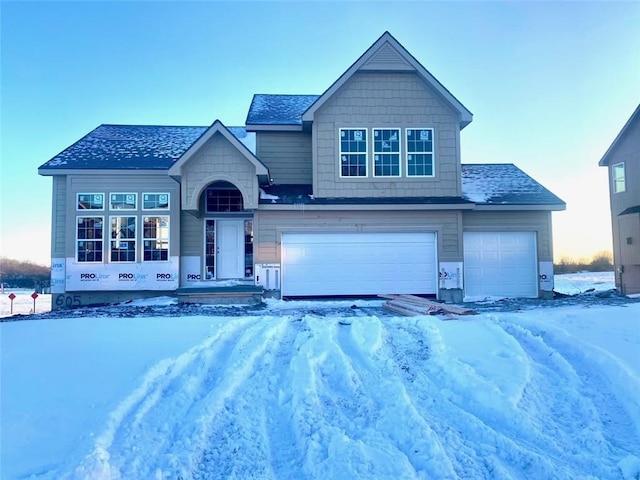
90 201
248 248
123 201
155 201
420 152
353 152
89 239
155 235
123 239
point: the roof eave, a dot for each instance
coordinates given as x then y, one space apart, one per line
273 127
604 161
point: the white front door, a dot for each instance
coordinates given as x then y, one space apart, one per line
229 249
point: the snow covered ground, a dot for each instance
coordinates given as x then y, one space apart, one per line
322 390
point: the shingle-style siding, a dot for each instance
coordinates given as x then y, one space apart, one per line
218 159
378 99
287 154
627 150
58 216
268 227
128 183
517 221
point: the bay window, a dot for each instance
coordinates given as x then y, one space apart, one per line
123 239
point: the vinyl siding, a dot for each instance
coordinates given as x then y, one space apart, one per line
393 100
58 216
628 151
536 221
287 154
106 184
268 227
192 236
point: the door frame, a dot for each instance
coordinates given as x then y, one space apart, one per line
216 242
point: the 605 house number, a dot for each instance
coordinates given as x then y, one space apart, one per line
68 300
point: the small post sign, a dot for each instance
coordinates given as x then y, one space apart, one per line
11 297
34 295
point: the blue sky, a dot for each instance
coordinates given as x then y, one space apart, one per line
550 83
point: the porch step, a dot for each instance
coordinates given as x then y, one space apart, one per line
234 294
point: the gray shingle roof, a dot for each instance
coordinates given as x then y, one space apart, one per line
134 147
279 109
503 184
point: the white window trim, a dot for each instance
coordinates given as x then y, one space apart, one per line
615 180
123 209
365 153
135 239
433 151
156 209
374 153
156 238
104 202
77 240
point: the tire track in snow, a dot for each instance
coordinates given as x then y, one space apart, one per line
168 414
252 437
590 415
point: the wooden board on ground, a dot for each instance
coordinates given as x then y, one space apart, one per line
412 305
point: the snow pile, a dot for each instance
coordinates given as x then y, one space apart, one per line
576 283
291 392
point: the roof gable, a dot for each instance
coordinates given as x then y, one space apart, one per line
218 127
387 54
635 117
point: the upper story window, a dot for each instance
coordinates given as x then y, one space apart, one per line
619 184
123 201
155 201
386 152
90 201
223 197
353 152
89 239
420 152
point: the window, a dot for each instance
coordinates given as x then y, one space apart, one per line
210 249
123 201
89 239
248 248
224 197
90 201
619 184
123 239
155 238
420 152
353 152
386 152
155 201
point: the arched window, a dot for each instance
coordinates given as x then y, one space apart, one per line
223 197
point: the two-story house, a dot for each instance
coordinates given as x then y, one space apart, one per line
622 160
357 191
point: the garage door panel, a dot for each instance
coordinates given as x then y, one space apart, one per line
500 264
316 264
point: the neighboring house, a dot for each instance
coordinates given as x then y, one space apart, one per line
622 159
358 191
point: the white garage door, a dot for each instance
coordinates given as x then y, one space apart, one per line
501 264
316 264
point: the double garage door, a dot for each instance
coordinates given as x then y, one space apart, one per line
501 264
316 264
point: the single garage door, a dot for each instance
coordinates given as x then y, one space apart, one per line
317 264
501 264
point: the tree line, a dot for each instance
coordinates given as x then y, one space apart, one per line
600 262
23 274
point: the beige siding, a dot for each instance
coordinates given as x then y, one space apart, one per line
629 239
628 151
393 100
539 222
192 235
218 159
131 183
287 154
58 216
268 227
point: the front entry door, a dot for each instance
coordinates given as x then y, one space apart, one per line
229 249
